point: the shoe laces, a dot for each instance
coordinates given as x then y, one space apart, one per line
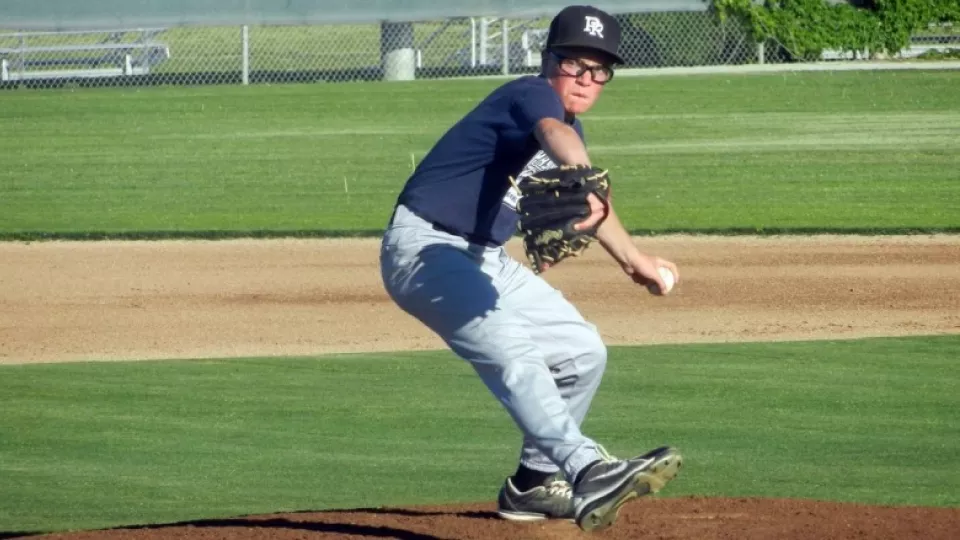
560 488
604 455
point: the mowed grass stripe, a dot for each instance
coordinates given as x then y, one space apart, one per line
815 120
102 444
777 132
918 140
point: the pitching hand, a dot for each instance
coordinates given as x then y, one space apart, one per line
643 270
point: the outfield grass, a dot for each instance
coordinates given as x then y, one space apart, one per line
855 151
94 445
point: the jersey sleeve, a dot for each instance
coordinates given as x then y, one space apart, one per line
537 102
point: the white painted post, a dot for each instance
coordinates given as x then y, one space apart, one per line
473 42
245 54
505 39
4 70
761 52
484 35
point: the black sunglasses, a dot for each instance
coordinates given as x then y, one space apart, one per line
575 68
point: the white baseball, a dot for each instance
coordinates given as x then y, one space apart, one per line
667 276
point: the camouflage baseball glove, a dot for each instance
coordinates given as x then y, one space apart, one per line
551 203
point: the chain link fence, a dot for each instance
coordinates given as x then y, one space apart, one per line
459 47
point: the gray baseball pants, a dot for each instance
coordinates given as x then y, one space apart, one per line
533 350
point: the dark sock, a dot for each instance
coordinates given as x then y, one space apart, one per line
583 470
526 479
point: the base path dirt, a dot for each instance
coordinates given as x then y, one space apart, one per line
102 301
68 301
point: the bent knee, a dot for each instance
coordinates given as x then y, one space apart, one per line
587 359
594 353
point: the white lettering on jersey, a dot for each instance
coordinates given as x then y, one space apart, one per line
539 162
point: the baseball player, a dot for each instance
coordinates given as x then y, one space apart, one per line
443 262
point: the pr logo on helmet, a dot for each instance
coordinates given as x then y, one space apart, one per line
593 26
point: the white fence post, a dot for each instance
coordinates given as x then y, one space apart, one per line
505 39
473 42
245 47
484 33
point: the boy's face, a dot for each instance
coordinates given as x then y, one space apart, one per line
578 93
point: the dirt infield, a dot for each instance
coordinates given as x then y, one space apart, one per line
67 301
103 301
661 519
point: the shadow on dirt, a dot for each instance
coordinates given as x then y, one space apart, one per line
282 523
367 531
351 529
472 514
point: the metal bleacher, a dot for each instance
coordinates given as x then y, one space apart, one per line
485 44
84 54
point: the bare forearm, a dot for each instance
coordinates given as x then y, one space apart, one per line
616 239
561 143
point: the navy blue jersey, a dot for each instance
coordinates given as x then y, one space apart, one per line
462 184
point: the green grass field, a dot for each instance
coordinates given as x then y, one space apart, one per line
859 151
95 445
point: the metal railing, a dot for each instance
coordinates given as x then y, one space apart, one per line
80 54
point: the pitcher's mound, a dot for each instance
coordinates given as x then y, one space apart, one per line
665 518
